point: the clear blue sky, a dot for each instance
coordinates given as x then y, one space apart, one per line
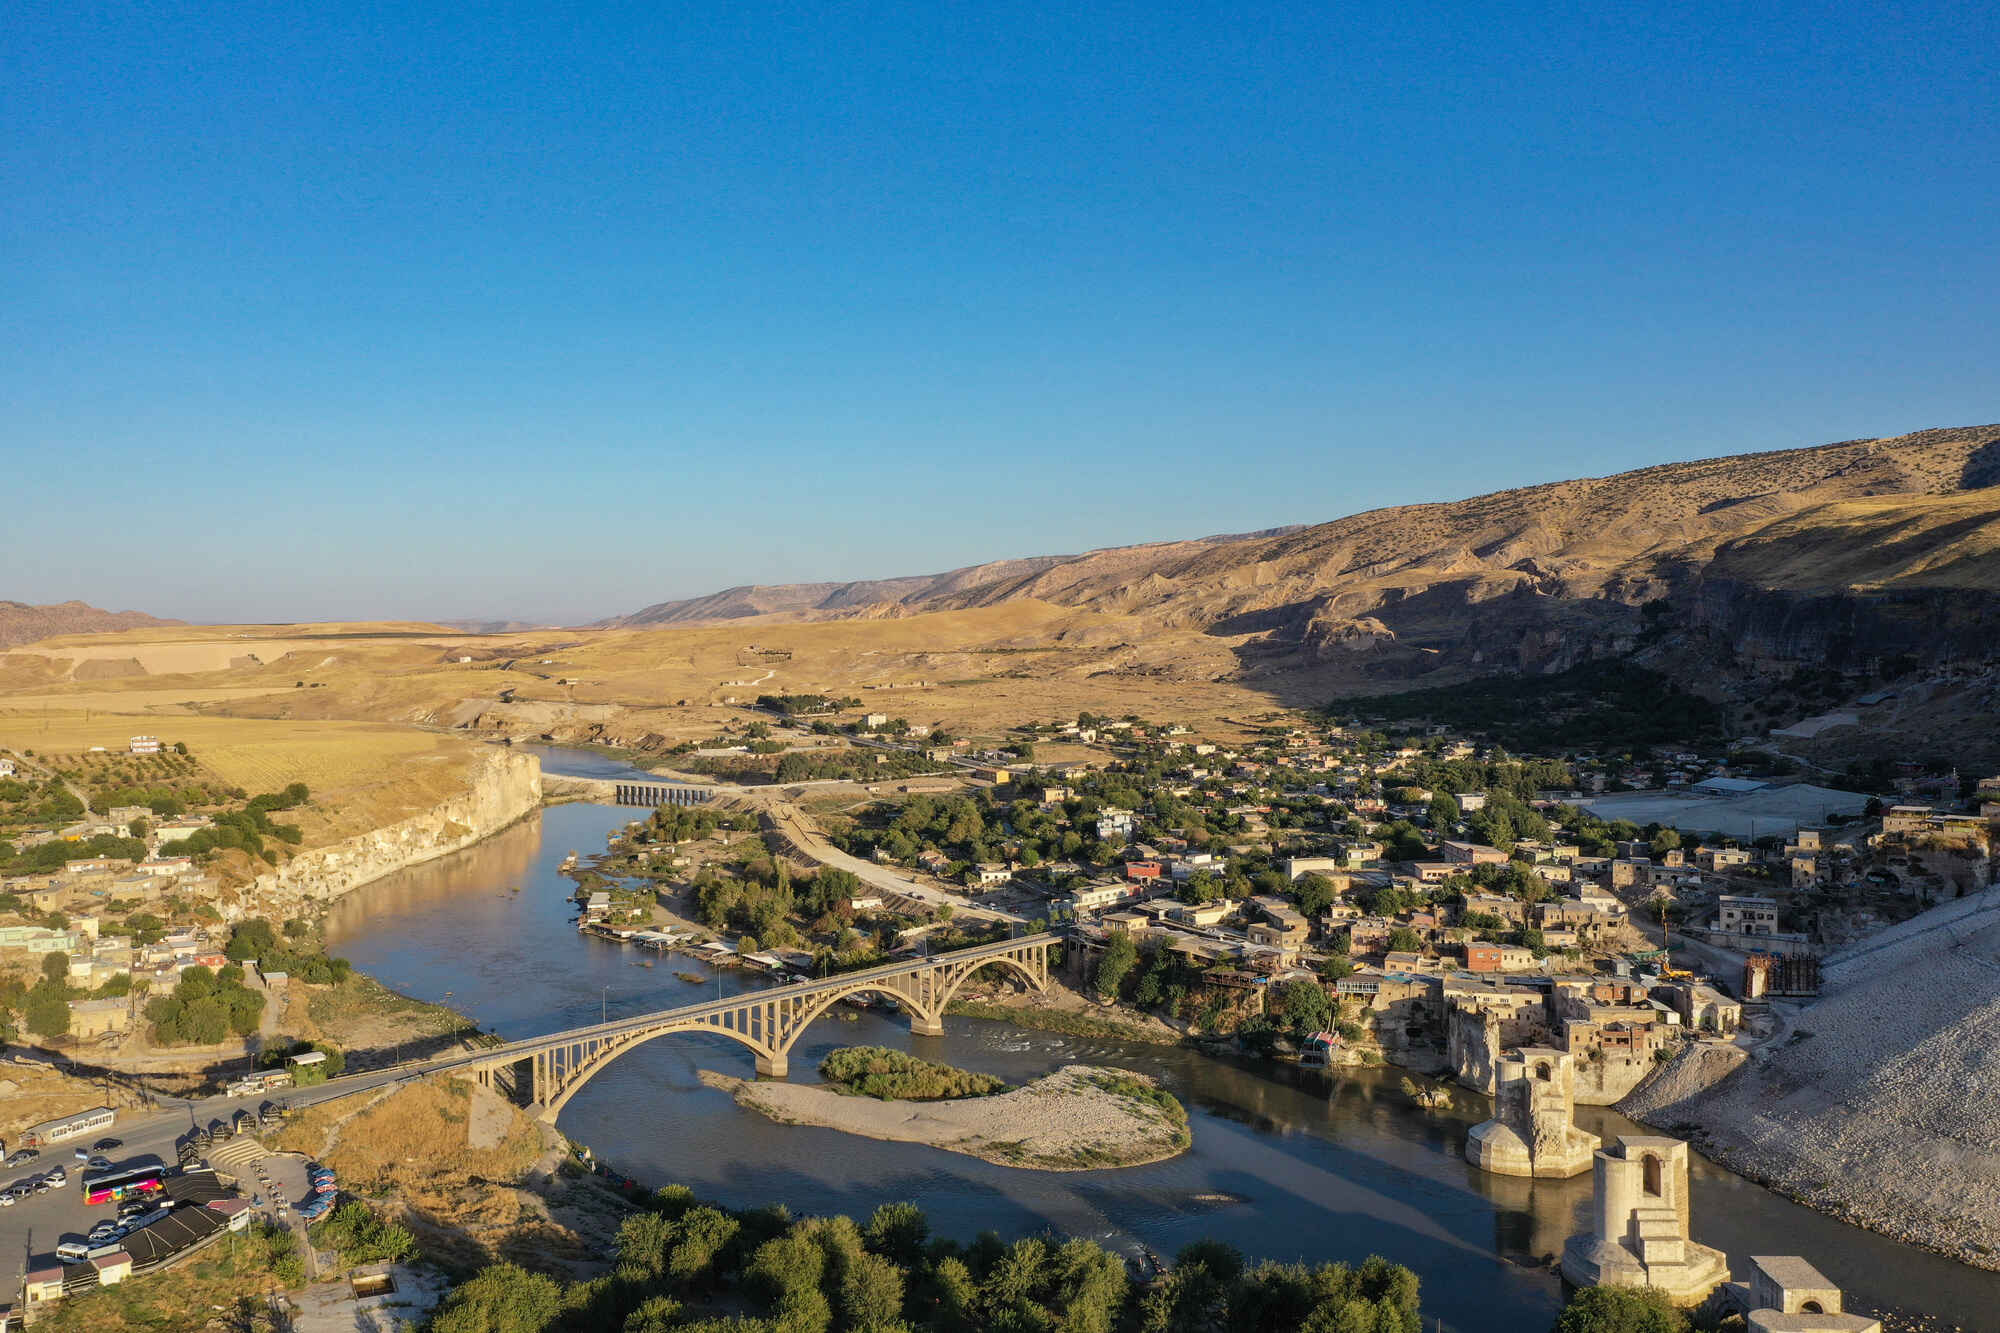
373 310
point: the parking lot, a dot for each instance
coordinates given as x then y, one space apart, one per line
37 1223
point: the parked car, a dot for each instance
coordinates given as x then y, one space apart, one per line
99 1164
8 1200
106 1145
24 1155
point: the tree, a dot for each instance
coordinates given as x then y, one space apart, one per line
55 967
898 1231
1303 1006
1404 940
1666 840
1313 893
1620 1310
47 1009
1120 956
504 1298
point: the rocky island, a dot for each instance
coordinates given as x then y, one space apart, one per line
1079 1118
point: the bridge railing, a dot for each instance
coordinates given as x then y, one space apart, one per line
527 1046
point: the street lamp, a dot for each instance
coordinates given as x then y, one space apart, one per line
604 1007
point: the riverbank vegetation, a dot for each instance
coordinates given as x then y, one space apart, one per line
877 1071
681 1264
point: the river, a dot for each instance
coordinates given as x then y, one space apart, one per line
1286 1163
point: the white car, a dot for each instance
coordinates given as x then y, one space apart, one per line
8 1200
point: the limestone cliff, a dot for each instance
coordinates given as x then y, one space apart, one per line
505 785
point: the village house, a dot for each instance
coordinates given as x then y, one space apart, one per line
1471 854
1746 914
1498 958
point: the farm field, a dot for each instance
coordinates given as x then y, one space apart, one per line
362 774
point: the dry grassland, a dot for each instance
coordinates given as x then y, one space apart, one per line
412 1153
362 774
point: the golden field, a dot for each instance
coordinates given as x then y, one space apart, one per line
975 671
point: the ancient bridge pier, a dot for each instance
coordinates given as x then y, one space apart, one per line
766 1021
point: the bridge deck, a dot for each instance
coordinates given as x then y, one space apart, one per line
529 1046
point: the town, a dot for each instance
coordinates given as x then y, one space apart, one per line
1334 892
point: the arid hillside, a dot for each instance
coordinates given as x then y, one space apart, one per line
1875 558
22 623
1533 579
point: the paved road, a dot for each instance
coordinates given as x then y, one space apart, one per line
810 843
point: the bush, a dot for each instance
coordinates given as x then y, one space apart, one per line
876 1071
1620 1310
362 1237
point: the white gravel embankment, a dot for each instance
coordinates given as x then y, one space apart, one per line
1880 1105
1065 1121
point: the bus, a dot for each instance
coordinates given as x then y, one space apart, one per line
252 1084
68 1127
117 1186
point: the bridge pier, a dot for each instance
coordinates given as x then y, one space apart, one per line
774 1066
921 1026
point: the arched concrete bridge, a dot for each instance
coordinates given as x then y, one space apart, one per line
767 1021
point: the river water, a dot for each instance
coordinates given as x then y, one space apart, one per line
1286 1163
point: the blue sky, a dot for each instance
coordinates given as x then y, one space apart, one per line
343 311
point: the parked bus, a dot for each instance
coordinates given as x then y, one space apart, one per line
250 1085
118 1186
69 1127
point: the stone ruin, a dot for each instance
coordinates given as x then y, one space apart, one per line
1788 1295
1532 1132
1638 1233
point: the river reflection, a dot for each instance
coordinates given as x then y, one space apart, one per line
1286 1163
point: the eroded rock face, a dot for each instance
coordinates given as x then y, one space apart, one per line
505 786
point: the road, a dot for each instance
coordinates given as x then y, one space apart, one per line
806 839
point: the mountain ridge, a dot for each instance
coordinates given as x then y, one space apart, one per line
1534 578
24 622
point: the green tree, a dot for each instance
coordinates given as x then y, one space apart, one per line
1303 1006
1313 893
47 1009
503 1298
1620 1310
898 1231
1120 956
55 967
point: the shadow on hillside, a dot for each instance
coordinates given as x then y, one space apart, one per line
1982 467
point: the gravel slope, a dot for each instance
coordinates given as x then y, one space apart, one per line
1881 1105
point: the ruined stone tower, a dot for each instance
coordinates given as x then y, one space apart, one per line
1639 1225
1532 1132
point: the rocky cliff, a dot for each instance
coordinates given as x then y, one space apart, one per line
505 786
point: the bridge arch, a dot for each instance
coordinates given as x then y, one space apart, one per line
1027 974
820 1004
772 1058
600 1059
766 1022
